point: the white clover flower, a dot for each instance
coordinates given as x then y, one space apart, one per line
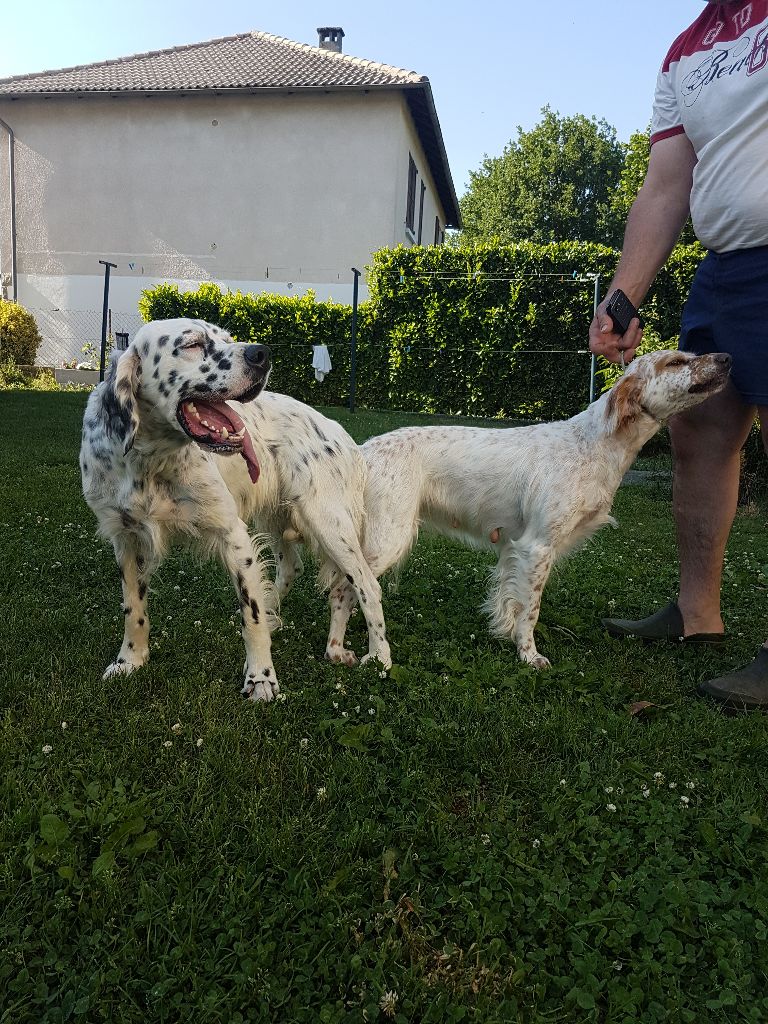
47 749
611 808
536 844
176 727
199 742
471 636
673 785
658 778
388 1003
617 965
609 789
690 785
685 800
304 743
196 623
383 674
563 782
280 697
168 743
371 711
336 704
64 726
646 793
485 839
322 793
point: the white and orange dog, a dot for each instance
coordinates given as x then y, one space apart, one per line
531 494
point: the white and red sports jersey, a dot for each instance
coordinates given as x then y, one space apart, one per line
713 85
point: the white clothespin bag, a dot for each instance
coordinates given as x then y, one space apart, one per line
321 361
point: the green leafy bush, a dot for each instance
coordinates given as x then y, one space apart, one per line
19 336
290 325
492 331
14 379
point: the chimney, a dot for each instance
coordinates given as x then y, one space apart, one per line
330 39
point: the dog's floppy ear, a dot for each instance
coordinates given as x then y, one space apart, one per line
120 403
624 402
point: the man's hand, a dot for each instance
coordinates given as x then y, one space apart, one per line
604 341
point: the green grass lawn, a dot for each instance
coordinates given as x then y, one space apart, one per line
465 840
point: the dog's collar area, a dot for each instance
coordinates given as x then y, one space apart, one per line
648 412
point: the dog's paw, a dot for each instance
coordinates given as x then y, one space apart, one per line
382 656
340 656
261 685
540 662
121 667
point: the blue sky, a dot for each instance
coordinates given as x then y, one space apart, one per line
493 65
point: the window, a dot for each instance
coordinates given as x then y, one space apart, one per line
421 212
410 206
437 231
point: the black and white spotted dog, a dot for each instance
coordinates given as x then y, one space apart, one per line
154 435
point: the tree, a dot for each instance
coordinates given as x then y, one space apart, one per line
554 183
632 177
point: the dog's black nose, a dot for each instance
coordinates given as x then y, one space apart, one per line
258 357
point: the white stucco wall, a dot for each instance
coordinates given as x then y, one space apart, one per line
260 192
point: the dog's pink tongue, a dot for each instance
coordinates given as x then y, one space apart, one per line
250 457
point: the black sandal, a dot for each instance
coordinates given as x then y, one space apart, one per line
666 624
746 689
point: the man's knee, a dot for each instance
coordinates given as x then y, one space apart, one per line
709 434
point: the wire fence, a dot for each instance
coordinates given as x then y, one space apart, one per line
66 333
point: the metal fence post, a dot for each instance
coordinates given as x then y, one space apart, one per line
107 265
593 360
353 342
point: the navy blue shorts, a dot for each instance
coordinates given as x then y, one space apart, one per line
727 311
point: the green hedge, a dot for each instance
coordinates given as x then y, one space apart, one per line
290 325
477 331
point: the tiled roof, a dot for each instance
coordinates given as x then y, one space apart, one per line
250 61
253 60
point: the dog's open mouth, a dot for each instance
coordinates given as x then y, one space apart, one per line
217 428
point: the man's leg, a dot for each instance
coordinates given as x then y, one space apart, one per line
707 442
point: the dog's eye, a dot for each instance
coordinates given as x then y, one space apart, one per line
677 362
192 346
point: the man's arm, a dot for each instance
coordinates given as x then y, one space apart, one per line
653 227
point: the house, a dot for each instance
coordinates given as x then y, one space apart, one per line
253 161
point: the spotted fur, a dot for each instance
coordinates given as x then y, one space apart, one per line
531 494
151 485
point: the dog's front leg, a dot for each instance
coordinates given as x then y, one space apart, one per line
135 572
237 553
533 566
289 565
515 598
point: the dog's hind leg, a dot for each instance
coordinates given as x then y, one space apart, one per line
337 535
135 571
236 551
514 601
342 599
